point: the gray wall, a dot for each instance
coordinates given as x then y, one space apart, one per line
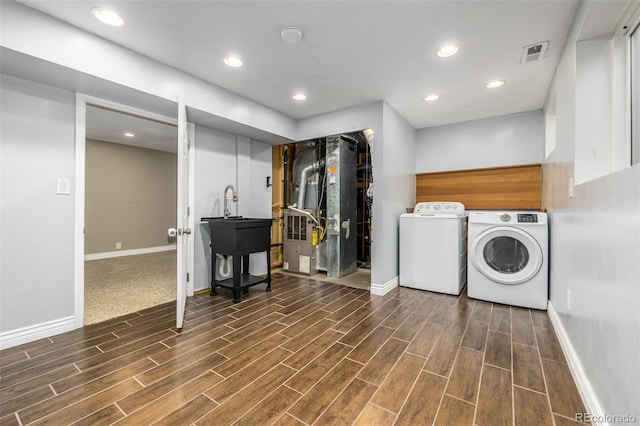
223 159
595 248
130 197
37 226
498 141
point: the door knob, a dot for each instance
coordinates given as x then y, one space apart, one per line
186 231
172 232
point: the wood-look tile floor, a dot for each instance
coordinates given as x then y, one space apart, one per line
307 353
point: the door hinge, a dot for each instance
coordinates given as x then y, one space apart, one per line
188 211
187 277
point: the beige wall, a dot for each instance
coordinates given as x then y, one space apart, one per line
130 197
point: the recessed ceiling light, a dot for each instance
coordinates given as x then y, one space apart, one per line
233 61
494 84
108 17
130 134
299 97
431 98
446 51
291 34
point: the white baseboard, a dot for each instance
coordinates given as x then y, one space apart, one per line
575 366
382 289
132 252
32 333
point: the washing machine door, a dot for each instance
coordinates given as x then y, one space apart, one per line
506 255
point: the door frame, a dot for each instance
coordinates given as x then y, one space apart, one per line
82 101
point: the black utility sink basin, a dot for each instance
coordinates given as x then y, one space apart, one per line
239 235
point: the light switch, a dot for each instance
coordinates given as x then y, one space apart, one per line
63 187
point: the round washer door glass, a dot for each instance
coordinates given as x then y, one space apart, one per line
506 255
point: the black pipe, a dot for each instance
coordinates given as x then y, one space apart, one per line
285 163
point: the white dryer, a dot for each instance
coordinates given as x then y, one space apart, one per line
433 242
508 257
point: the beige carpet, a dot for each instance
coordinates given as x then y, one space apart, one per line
123 285
359 279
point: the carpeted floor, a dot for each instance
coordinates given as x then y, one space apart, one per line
122 285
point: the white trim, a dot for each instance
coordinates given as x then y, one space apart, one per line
575 366
131 252
382 289
78 281
12 338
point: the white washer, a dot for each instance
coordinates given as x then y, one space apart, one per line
508 257
433 245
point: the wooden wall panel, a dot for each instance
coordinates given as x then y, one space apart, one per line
512 187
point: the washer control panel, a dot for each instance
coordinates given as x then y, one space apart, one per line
433 208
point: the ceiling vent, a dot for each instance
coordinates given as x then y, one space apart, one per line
534 52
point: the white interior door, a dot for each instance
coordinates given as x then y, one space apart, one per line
183 237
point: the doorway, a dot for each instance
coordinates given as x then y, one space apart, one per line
128 202
322 200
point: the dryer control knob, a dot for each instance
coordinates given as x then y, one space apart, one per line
505 217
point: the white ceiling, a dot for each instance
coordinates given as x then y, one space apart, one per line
352 52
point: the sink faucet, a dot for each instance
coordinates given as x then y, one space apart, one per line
229 196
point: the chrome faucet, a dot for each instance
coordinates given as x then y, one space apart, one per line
233 196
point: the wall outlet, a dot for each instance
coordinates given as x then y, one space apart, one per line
118 245
568 300
572 187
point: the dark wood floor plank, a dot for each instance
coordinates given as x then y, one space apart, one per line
158 372
189 412
408 329
368 347
481 311
36 382
271 408
443 355
457 323
549 345
353 319
131 348
395 388
475 337
456 412
377 368
25 370
531 408
303 338
287 420
372 415
498 350
465 375
541 319
563 393
318 398
495 400
108 415
234 364
245 330
65 413
237 406
306 322
345 310
423 401
26 399
307 312
500 319
173 399
398 316
358 333
522 327
527 369
305 355
235 382
348 405
425 339
250 340
306 378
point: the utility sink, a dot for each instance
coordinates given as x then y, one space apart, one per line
239 235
